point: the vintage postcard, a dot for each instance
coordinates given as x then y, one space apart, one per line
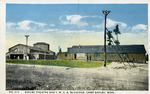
75 47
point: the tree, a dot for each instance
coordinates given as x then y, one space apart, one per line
109 34
116 30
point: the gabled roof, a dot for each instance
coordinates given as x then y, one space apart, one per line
32 48
109 49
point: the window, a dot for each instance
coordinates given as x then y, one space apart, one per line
97 55
87 54
110 55
65 54
123 55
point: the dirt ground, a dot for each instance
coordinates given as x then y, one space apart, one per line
115 76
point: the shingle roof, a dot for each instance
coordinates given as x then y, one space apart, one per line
109 49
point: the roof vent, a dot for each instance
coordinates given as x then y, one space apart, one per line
79 46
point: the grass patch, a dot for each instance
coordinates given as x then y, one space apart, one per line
65 63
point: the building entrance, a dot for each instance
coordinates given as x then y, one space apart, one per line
16 56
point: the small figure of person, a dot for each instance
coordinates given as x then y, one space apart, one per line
90 58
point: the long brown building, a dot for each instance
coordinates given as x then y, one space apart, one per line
39 50
131 53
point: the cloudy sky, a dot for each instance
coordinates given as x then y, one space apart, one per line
65 25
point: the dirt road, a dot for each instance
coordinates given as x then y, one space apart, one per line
115 76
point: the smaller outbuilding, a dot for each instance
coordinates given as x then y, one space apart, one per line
39 50
121 53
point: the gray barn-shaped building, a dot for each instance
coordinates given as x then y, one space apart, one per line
114 53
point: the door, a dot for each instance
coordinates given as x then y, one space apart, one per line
75 56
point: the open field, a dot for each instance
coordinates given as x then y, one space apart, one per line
65 63
115 76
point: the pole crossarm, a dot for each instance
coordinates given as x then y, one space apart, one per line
106 12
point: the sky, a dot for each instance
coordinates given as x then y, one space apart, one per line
66 25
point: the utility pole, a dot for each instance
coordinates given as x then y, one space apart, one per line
26 46
105 12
